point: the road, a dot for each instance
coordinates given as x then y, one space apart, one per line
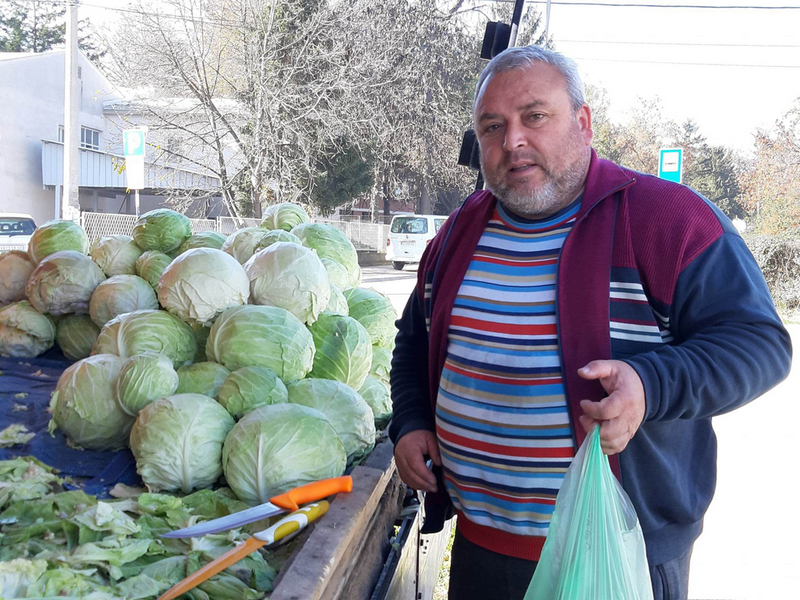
750 549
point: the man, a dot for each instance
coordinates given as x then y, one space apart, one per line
573 292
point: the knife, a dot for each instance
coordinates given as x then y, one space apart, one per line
283 530
286 502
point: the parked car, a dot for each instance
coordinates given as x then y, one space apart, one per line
16 231
409 235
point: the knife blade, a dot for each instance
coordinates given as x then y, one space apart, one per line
286 502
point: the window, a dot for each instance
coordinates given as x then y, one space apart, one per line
12 226
90 139
410 225
437 223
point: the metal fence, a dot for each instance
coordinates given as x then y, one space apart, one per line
365 236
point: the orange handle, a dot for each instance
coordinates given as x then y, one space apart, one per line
215 566
311 492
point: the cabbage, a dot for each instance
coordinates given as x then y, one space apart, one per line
249 388
331 243
381 364
15 270
249 336
284 216
241 245
116 255
376 393
349 414
201 283
75 335
337 274
18 574
204 378
177 442
55 236
204 239
118 295
63 283
201 333
143 379
291 277
161 229
85 407
344 350
338 303
375 312
275 236
24 332
276 448
151 265
147 331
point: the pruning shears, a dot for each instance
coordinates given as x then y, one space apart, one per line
284 530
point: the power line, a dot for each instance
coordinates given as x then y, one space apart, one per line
688 64
720 45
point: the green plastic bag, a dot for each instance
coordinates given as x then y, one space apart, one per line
595 547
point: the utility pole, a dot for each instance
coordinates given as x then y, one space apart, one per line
70 204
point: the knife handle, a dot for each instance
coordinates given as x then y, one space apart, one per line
311 492
291 524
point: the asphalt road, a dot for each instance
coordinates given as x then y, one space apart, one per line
750 549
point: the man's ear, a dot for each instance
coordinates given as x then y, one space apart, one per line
584 120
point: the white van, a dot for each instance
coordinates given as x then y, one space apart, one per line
409 235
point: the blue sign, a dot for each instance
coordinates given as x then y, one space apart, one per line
670 164
133 142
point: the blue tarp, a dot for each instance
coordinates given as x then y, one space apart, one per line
26 385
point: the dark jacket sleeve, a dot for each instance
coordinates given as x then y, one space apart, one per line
730 346
409 376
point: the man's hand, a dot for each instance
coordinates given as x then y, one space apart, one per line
408 455
622 411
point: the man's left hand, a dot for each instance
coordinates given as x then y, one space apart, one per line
621 412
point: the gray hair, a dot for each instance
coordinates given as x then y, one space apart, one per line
523 57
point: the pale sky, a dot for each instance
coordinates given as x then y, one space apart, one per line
727 102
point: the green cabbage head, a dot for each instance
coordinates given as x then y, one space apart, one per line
75 335
284 216
204 378
344 349
177 442
249 388
151 265
203 239
266 336
332 243
85 406
201 283
143 379
63 283
289 276
274 236
375 312
338 303
118 295
241 244
349 414
147 331
15 270
381 364
376 393
116 255
162 229
279 447
55 236
25 332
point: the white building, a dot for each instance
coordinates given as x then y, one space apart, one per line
31 144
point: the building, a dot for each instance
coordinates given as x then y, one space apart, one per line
31 145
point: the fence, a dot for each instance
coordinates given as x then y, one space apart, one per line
365 236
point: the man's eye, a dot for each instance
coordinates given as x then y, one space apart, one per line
535 116
492 127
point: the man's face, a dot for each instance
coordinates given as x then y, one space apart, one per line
534 146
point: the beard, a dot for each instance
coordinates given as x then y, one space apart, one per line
559 188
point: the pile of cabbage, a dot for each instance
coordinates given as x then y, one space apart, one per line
255 357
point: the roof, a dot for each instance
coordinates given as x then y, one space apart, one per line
5 215
19 55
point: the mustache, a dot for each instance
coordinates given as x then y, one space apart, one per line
514 157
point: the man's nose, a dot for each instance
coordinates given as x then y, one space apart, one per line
515 137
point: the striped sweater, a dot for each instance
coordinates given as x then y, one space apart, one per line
501 416
652 274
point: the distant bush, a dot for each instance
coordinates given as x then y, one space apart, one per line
779 259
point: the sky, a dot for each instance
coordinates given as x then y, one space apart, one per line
730 70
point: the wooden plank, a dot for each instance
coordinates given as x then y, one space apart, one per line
336 547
